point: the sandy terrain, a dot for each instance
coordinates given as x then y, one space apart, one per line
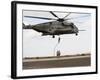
54 62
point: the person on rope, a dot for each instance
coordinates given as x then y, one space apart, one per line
59 40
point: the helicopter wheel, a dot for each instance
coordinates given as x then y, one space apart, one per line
76 34
53 36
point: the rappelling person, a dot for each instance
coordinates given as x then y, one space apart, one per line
59 40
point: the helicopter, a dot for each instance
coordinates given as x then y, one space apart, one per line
58 26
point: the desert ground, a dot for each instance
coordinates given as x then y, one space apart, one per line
57 61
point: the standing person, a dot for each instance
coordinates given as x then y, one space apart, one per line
58 53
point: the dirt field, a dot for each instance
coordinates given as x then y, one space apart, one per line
75 61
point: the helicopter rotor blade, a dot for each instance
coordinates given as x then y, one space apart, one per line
67 15
54 14
82 30
40 17
77 17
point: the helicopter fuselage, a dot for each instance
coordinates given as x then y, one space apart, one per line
56 28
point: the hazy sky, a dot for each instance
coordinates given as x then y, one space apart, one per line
36 45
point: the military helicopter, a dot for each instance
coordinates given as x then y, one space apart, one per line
58 26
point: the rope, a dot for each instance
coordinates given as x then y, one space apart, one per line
56 45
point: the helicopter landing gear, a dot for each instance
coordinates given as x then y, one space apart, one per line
53 36
76 34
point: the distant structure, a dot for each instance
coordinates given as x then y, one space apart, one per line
58 53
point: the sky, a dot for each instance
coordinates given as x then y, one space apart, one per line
35 45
